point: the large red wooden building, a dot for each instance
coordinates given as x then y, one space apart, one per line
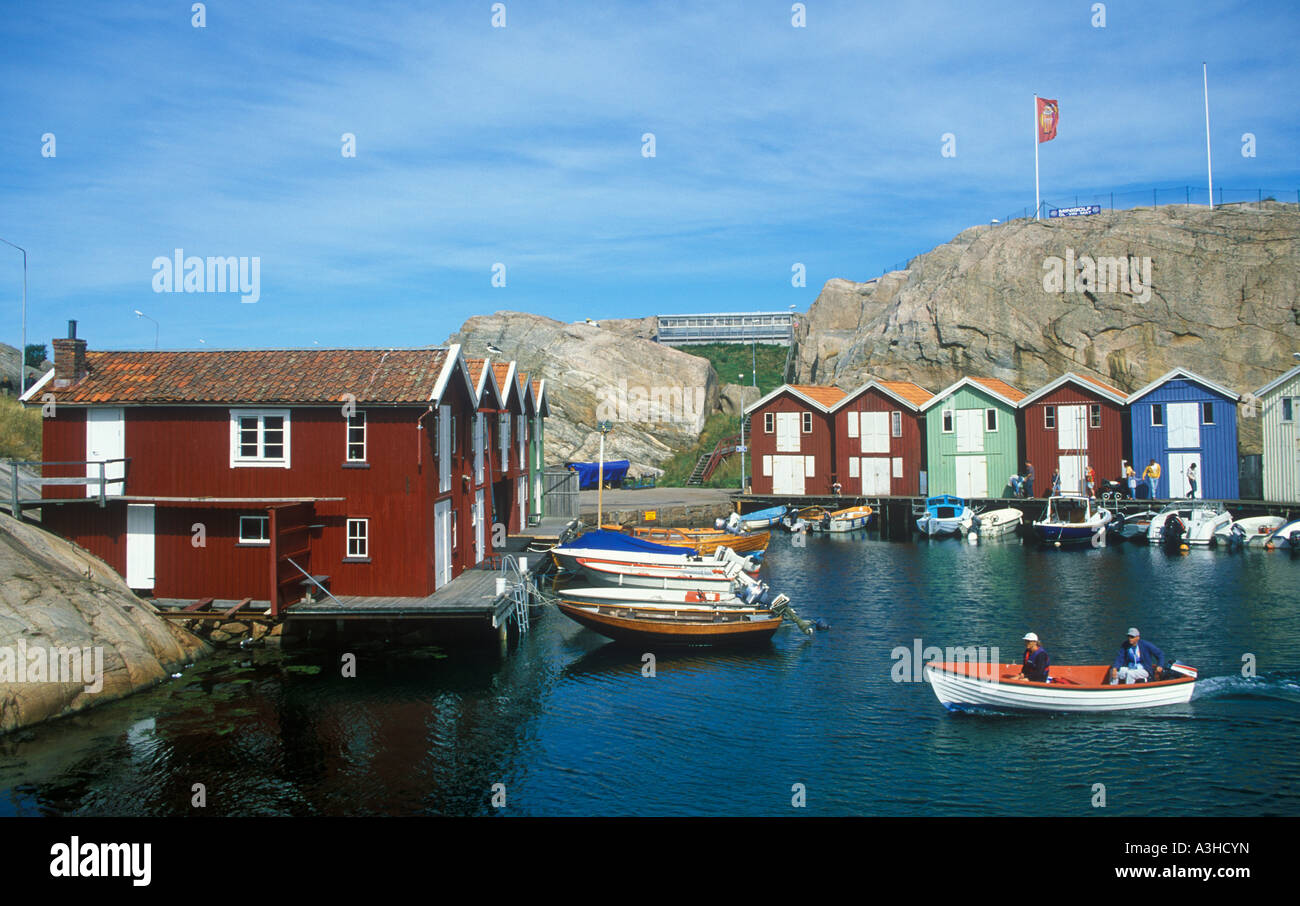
230 469
791 439
1069 424
879 433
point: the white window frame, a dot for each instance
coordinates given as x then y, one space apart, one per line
896 423
996 421
363 537
769 423
853 426
1049 418
240 462
1094 415
348 442
1207 406
853 467
805 423
266 531
1288 409
1154 407
948 421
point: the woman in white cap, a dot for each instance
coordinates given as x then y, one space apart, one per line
1035 666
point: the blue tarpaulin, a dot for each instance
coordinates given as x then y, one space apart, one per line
588 471
602 539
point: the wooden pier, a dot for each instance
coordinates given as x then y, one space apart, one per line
470 596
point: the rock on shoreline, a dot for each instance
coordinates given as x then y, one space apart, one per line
56 595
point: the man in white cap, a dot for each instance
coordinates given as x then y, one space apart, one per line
1137 661
1035 666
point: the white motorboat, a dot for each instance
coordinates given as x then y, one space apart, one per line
963 686
998 522
1288 536
1073 519
945 515
1199 520
1251 532
610 549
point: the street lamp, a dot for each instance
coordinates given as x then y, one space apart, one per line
22 354
140 314
604 428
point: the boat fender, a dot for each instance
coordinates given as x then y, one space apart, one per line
821 625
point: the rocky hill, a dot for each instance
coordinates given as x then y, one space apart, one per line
1028 300
657 397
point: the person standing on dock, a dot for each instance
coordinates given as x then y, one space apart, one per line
1036 664
1091 475
1191 481
1029 479
1132 479
1056 482
1152 475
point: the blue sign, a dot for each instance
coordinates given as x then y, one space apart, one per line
1080 211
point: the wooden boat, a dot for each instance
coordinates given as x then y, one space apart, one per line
640 625
806 519
703 540
684 599
1200 519
998 522
945 515
848 519
1072 519
760 519
623 574
970 686
618 559
1251 532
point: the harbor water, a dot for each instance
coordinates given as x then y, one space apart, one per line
567 723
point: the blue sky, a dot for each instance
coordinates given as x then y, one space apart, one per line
522 145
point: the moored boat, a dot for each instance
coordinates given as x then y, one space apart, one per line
760 519
1250 532
1287 537
945 515
1082 689
992 523
1072 519
849 519
639 624
1130 526
807 519
1198 520
703 540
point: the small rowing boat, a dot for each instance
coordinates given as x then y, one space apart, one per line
998 522
964 686
847 520
760 519
704 540
640 624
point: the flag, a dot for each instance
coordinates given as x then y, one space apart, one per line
1048 117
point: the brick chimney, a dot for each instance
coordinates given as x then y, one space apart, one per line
69 358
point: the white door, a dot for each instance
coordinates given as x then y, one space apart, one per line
875 475
478 526
1073 469
972 476
787 474
874 428
1177 472
105 439
441 543
1184 420
787 432
970 431
1072 427
139 545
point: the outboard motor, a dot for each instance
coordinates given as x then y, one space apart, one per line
1236 536
1294 541
1175 530
732 524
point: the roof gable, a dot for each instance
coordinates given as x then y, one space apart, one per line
819 397
1000 391
1092 385
1185 375
910 395
1278 382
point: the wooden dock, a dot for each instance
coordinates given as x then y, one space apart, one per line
470 596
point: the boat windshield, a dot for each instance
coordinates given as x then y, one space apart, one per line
1070 510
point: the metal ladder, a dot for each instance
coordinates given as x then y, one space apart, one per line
520 589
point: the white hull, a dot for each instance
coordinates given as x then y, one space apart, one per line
1202 523
652 599
929 525
999 522
644 575
1255 530
1281 538
958 691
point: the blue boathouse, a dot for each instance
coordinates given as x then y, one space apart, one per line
1182 419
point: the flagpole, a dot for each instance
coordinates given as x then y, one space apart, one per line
1209 169
1037 203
